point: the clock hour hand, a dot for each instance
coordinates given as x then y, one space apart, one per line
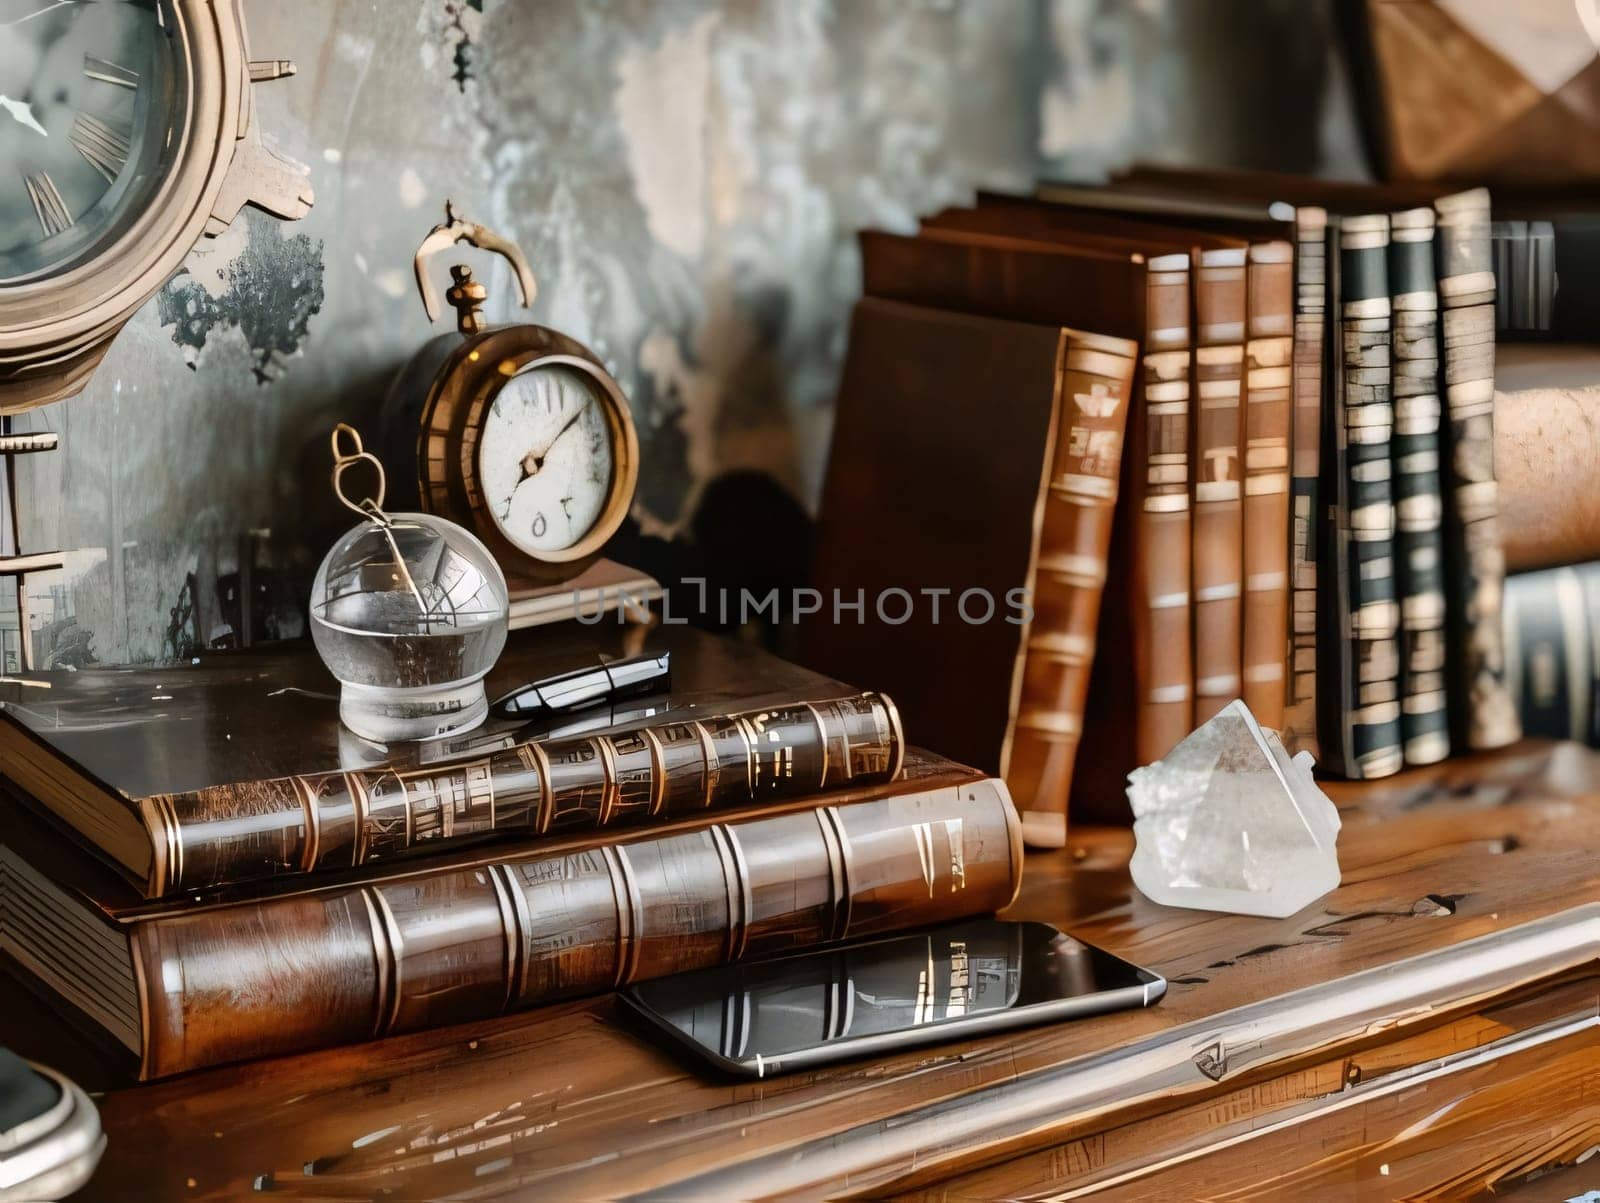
22 112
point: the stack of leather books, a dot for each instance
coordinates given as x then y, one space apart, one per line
201 866
1227 434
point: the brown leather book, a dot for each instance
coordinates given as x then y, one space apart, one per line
935 492
1069 574
181 987
1151 540
1268 413
189 779
1220 309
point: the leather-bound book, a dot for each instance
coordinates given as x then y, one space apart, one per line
1069 574
178 987
1220 306
1369 712
1418 509
1014 503
1482 713
1310 325
238 770
1268 418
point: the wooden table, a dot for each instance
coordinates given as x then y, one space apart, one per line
1431 1028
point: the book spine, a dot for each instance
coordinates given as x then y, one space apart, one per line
258 829
1552 633
1094 379
1418 509
1482 714
1217 582
1372 710
1311 281
1268 413
334 967
1523 254
1159 430
1335 649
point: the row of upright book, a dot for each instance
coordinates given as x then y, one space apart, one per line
1276 480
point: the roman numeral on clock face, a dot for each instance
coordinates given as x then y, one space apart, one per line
108 72
105 148
47 204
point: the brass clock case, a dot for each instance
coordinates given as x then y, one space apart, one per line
453 413
55 330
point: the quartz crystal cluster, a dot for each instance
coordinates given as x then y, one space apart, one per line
1228 821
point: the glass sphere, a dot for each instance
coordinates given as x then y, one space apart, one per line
409 617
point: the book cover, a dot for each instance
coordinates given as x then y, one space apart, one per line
1373 709
1414 459
1217 557
1482 713
1268 418
1068 578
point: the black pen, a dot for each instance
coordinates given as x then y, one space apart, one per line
607 681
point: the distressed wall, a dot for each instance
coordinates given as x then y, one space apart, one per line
686 179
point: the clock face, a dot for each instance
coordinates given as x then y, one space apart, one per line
91 114
545 457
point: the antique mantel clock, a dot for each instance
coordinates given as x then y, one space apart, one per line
127 132
518 432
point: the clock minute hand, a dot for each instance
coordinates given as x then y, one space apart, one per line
22 112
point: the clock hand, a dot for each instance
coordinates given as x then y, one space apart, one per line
22 112
39 12
537 459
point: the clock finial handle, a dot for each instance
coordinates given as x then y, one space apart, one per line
448 233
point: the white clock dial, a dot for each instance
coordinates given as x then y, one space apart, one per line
545 459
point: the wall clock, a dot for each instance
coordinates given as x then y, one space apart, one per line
127 132
515 431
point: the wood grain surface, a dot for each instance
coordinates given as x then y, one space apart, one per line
1464 1059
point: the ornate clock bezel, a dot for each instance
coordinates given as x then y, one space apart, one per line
55 330
452 424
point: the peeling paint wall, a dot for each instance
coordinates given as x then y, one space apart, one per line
686 179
